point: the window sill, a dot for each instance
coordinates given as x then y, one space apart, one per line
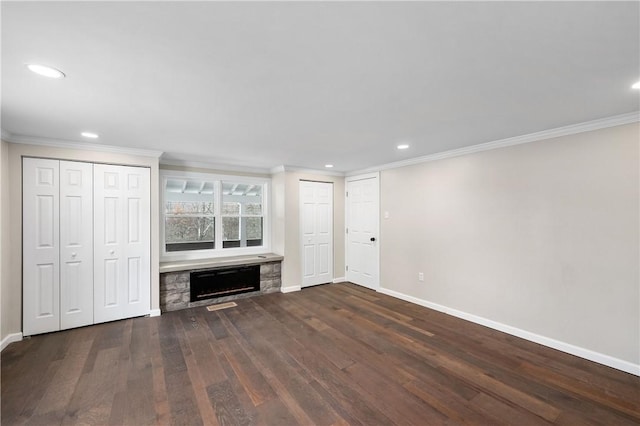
187 265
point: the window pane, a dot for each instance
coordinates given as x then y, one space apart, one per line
253 209
189 233
200 245
231 228
246 197
190 195
189 207
232 209
254 228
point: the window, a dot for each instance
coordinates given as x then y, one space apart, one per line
208 215
241 215
189 215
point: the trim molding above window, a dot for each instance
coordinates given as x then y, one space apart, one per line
211 215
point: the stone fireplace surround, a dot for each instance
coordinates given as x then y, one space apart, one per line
175 276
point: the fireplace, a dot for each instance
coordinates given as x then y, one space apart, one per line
224 282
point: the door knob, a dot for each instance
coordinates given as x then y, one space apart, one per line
74 254
373 239
112 252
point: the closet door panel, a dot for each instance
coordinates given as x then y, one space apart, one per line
76 244
122 277
138 237
40 246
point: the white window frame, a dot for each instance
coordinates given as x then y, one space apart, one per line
218 251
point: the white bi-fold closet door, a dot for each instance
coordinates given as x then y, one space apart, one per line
122 242
316 232
57 245
63 242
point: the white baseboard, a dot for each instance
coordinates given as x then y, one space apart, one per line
600 358
290 289
339 280
154 313
10 338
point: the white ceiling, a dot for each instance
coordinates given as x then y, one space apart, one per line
304 84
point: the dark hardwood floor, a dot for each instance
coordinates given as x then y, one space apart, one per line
328 355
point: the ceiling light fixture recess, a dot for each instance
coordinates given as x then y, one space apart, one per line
45 71
89 135
636 86
328 166
403 146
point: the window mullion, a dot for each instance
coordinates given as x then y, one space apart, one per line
217 193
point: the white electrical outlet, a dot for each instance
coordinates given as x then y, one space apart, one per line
420 276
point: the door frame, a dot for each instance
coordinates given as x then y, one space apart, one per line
353 178
331 230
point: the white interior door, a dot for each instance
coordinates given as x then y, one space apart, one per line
316 232
122 270
362 222
40 245
76 244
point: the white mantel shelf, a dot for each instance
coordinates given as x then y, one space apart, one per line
189 265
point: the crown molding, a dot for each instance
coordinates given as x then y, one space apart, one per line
4 135
214 166
588 126
61 143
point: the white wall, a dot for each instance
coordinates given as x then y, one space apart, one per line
5 226
278 210
212 171
543 237
11 289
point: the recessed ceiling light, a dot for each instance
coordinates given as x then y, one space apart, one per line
636 86
328 166
403 146
45 71
89 135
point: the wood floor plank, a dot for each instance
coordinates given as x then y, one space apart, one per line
248 375
503 413
274 380
262 338
274 412
159 387
182 400
329 379
336 354
225 402
398 404
629 407
189 338
91 404
59 392
140 406
293 318
449 404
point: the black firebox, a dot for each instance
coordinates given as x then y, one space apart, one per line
224 282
